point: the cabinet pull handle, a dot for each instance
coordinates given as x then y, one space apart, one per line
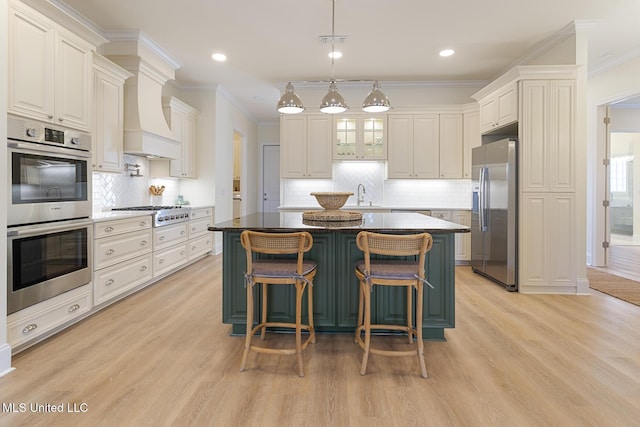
29 328
143 268
60 119
74 307
161 261
109 282
143 243
194 247
182 253
108 229
182 232
161 238
49 116
110 252
143 223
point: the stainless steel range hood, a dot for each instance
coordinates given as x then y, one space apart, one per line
146 132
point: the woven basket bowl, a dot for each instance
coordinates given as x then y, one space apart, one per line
332 200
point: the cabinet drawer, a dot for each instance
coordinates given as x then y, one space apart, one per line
112 281
121 226
200 246
200 213
38 319
168 259
199 227
164 237
112 250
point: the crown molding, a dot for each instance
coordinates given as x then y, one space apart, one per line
141 38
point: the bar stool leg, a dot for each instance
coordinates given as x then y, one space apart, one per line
247 340
312 328
299 289
360 320
409 314
263 331
367 326
419 304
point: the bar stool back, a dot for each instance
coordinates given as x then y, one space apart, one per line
276 270
392 272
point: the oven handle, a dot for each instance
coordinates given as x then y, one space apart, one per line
47 149
48 228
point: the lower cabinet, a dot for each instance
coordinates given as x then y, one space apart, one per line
113 281
463 240
200 238
38 320
168 259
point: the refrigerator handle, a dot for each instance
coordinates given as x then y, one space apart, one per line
482 199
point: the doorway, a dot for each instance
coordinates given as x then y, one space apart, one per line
237 175
270 178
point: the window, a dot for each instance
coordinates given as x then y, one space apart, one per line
619 173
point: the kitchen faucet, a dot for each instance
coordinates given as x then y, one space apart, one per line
361 196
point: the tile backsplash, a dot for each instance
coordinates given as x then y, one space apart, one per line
422 193
118 190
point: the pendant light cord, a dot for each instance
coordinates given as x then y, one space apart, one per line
333 34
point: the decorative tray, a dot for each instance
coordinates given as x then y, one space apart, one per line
332 216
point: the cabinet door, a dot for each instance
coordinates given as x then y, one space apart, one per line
562 155
345 140
488 114
72 89
450 146
177 122
373 139
426 154
319 141
108 131
471 138
463 240
189 132
533 143
507 102
31 66
294 147
401 155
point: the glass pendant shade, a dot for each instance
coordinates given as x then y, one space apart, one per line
290 102
333 102
376 101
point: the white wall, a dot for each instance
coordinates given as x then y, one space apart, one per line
611 85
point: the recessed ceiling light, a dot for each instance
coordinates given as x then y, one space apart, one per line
447 52
335 54
219 57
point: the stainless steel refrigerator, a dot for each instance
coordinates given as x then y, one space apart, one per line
494 212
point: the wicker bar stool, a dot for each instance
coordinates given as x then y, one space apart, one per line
278 271
392 272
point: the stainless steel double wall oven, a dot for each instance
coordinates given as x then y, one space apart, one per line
48 211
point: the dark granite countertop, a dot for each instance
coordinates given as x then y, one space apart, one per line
371 221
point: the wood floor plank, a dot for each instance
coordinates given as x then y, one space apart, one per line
162 357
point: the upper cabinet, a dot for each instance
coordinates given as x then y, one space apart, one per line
360 137
108 92
471 139
305 146
547 148
499 108
49 70
425 146
183 121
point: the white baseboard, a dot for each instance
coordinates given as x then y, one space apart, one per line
5 360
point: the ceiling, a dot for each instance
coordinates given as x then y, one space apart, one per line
269 42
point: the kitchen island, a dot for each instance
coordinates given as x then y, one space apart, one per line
335 290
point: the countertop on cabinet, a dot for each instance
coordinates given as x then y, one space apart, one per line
372 221
111 215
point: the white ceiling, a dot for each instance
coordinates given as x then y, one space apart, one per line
269 42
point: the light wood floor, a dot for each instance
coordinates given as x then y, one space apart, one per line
162 357
624 261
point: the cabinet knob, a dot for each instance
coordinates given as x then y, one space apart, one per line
60 119
182 232
143 243
74 307
182 253
110 252
143 268
161 261
143 223
161 238
109 282
108 229
50 116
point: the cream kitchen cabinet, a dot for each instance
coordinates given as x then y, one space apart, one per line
462 240
41 320
305 146
360 137
471 138
121 256
183 121
169 248
49 70
200 238
499 108
425 146
547 149
108 96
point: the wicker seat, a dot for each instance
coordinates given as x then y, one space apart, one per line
394 270
294 271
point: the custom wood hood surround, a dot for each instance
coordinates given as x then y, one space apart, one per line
146 131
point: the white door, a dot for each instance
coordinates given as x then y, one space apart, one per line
271 178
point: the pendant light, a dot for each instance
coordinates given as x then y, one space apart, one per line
290 102
376 101
333 102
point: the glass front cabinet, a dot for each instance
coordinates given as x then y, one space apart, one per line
360 137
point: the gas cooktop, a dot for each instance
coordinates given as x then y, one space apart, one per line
162 215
